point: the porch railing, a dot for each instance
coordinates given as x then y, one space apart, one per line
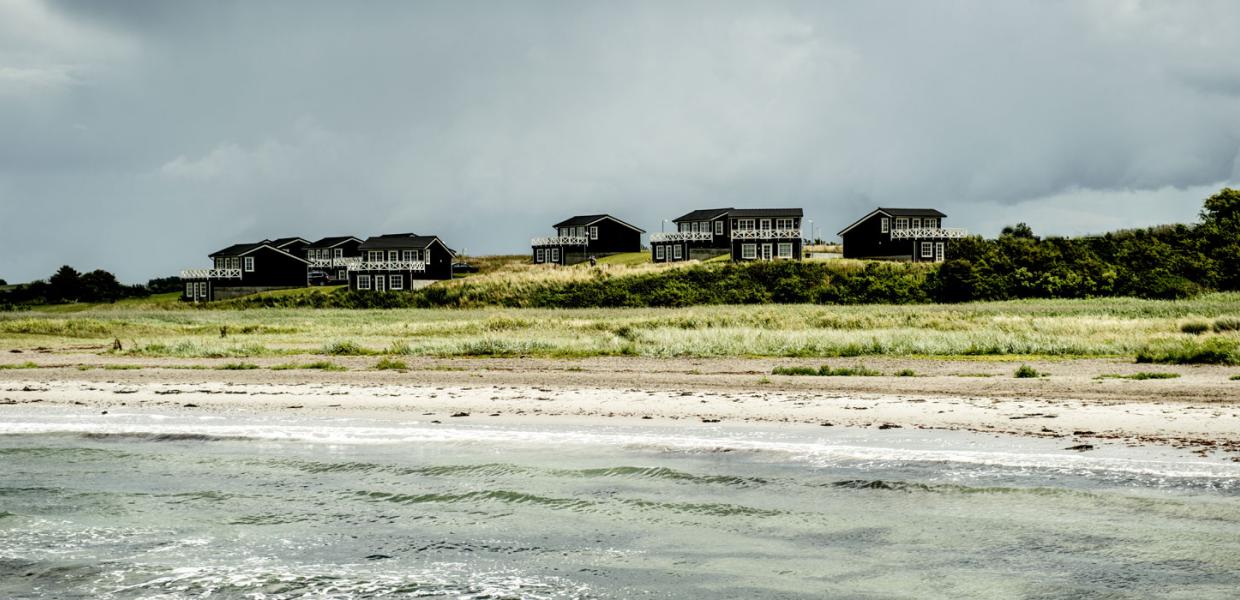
211 274
328 263
560 240
682 236
766 234
928 233
388 265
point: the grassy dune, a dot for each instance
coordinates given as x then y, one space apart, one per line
1044 328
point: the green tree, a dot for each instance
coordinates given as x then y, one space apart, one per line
64 286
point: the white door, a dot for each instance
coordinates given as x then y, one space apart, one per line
380 283
938 251
766 251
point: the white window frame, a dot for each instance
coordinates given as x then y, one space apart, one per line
765 225
594 232
249 264
337 252
190 288
407 255
719 227
927 250
884 225
202 289
393 255
539 255
363 282
916 223
553 255
677 252
396 282
749 251
901 222
380 283
342 274
374 256
660 252
784 246
940 251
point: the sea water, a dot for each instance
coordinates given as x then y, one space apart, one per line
150 505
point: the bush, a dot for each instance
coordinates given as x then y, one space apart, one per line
857 371
1226 324
346 348
1195 327
237 367
801 371
24 365
320 365
906 373
1142 376
1027 372
1213 351
387 364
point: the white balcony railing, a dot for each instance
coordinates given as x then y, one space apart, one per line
766 234
211 274
682 236
928 233
388 265
560 240
328 263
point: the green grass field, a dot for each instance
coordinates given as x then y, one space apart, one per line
1018 329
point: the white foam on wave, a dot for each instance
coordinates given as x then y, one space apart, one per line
814 450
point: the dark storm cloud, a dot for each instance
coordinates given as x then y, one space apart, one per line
139 136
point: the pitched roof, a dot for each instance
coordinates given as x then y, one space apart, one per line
895 212
705 214
286 241
243 249
329 242
766 212
584 220
401 240
912 212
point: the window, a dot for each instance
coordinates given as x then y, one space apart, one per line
745 224
932 222
374 256
719 227
901 223
682 227
189 290
426 255
538 255
749 251
249 264
785 250
659 252
393 255
380 283
397 282
594 232
406 255
554 255
939 249
338 252
766 224
885 224
916 223
202 289
363 282
677 252
927 250
341 274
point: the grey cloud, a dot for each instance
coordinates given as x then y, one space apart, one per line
160 131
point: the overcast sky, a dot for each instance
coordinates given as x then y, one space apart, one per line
139 136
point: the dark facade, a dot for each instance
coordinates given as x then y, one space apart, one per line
913 234
330 258
581 237
293 245
744 234
244 269
394 261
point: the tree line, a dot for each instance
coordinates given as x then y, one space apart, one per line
69 285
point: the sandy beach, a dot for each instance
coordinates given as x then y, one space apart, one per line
1198 411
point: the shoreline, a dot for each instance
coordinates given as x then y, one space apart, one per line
1198 411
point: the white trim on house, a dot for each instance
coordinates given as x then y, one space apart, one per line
396 282
363 282
885 225
749 251
785 250
594 232
677 252
927 250
718 226
660 252
249 264
539 255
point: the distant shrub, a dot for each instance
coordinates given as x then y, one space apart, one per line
387 364
1195 327
1026 372
1226 324
346 348
799 371
906 373
1142 376
827 371
238 366
1235 377
400 348
23 365
1213 351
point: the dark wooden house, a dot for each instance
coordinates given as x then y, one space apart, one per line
330 258
243 269
742 233
397 260
913 234
293 245
584 236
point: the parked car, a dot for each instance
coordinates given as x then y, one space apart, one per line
463 267
317 278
